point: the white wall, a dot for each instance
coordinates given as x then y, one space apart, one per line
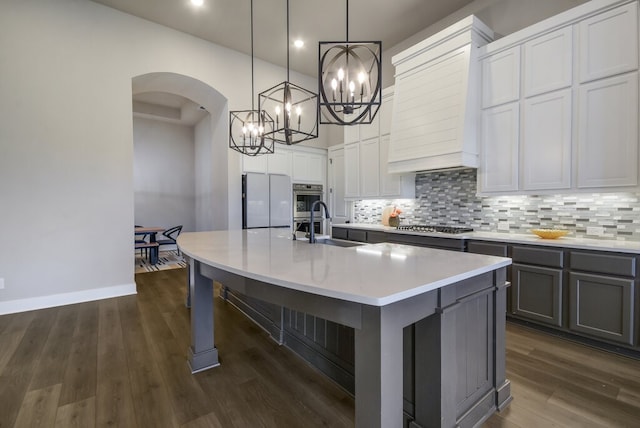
163 174
66 145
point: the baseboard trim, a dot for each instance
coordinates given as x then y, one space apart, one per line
43 302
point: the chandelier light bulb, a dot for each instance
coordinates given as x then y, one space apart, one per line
352 87
277 110
298 110
287 106
341 74
244 130
334 84
361 77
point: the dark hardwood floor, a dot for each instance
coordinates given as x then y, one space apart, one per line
122 362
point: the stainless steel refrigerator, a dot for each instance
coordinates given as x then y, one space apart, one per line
266 200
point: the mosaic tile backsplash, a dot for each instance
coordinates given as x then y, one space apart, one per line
449 198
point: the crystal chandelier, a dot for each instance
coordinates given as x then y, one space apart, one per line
293 109
248 129
349 80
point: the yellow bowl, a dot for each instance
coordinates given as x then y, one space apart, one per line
549 233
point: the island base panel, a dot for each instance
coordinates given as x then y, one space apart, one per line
202 353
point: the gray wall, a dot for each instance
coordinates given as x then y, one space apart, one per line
163 174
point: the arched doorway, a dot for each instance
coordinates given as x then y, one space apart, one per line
210 149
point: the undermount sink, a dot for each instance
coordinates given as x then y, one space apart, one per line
338 242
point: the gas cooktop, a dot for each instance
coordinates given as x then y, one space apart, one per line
437 229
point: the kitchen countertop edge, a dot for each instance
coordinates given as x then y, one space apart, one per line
609 245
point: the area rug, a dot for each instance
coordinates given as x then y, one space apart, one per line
166 260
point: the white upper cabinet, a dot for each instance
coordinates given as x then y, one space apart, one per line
574 125
279 162
547 62
501 78
608 133
546 141
302 164
337 205
609 43
352 170
498 170
351 133
370 168
370 130
385 112
366 172
394 185
255 163
308 168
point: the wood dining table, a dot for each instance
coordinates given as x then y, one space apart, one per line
152 245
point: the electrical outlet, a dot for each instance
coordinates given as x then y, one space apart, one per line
503 225
595 230
1 283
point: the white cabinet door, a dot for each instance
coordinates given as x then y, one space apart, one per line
547 62
351 134
608 132
498 170
501 78
546 141
279 162
255 163
308 167
371 130
352 170
385 112
317 167
609 43
369 168
337 205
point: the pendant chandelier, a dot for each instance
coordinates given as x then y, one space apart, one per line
350 80
248 129
293 109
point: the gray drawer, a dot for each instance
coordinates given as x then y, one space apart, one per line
358 235
614 264
339 233
538 256
487 248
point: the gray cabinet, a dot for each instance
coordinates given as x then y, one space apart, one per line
602 295
349 234
488 248
537 293
602 306
537 284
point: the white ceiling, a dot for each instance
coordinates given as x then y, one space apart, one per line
227 23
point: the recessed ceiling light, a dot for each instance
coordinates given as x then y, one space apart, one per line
197 2
298 43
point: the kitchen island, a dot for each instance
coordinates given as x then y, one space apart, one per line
458 299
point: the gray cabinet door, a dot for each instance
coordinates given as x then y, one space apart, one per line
602 306
537 294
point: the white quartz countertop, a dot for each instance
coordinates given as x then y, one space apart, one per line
568 241
373 274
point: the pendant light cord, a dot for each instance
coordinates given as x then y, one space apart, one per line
252 87
287 40
347 39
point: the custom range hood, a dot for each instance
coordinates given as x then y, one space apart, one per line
436 102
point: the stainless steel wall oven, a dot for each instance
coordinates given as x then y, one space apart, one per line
304 195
